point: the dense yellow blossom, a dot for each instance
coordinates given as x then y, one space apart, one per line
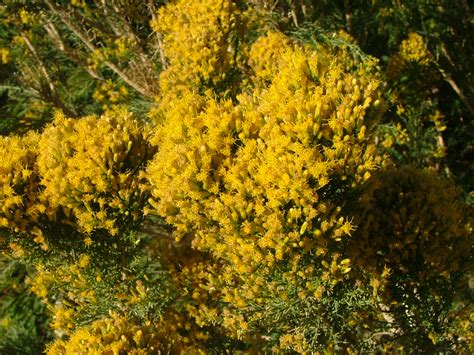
22 210
414 49
91 168
109 94
4 56
265 54
86 170
204 44
119 334
113 335
74 287
264 166
295 342
256 183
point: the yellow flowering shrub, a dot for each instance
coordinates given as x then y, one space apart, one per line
413 131
92 168
273 223
118 50
111 274
265 54
414 49
66 290
260 184
110 94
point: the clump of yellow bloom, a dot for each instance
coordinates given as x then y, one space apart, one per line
86 171
120 334
265 54
414 49
4 56
21 207
260 183
115 335
110 94
91 168
295 342
72 294
202 43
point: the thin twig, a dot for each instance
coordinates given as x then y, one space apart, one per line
448 78
87 42
51 93
59 43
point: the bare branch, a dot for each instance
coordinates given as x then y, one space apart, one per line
448 78
88 43
59 43
105 9
41 64
50 94
159 37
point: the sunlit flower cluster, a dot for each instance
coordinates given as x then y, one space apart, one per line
85 173
91 168
412 51
262 183
4 56
109 94
22 209
265 54
115 335
204 44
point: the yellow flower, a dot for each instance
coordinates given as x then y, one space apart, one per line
414 49
4 56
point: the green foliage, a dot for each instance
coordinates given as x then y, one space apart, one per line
59 55
24 322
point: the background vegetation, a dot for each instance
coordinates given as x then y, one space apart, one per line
259 175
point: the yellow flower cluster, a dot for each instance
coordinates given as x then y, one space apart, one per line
22 208
91 168
85 172
295 342
256 184
120 334
110 94
75 292
272 193
4 56
202 43
414 49
27 17
116 50
412 222
112 335
265 54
